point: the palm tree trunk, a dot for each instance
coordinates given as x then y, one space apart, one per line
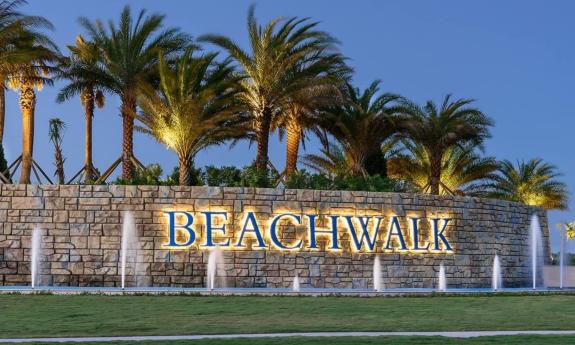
88 102
59 161
2 110
27 105
263 138
435 176
185 164
293 139
128 115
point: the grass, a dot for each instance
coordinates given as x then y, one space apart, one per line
509 340
87 315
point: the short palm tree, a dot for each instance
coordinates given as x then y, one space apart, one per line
194 107
533 183
332 161
362 124
439 129
79 72
463 171
13 26
56 134
129 57
270 68
30 76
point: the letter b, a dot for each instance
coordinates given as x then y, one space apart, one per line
173 227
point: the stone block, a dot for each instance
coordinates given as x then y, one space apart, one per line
27 203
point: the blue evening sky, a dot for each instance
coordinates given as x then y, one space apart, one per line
516 58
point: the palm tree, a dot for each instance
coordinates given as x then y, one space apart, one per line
193 109
332 161
463 171
302 111
270 68
32 75
129 57
79 71
533 183
363 123
56 134
437 130
13 26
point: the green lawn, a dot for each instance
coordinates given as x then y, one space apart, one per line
512 340
51 315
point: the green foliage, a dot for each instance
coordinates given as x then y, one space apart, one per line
570 229
252 177
305 180
376 164
374 183
229 176
533 182
151 176
174 178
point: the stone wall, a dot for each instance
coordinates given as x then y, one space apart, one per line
81 227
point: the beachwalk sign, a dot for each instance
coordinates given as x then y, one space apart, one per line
341 232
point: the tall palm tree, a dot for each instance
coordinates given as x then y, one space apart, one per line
463 171
271 70
129 58
454 123
532 182
363 123
301 113
13 26
30 76
194 107
56 134
80 70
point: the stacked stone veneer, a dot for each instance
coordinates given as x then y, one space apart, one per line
81 228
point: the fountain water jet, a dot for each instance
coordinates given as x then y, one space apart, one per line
496 278
442 280
215 258
129 245
535 247
295 286
563 236
35 264
377 286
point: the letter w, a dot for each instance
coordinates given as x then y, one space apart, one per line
364 237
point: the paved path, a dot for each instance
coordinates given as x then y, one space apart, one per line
470 334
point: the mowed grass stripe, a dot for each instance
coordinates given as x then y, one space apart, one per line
56 315
508 340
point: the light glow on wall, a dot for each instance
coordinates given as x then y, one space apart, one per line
293 231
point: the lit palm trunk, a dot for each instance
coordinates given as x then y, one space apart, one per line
185 164
27 106
263 138
435 177
128 114
55 133
293 138
88 102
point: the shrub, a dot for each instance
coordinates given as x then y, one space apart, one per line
226 176
151 175
251 177
174 178
305 180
